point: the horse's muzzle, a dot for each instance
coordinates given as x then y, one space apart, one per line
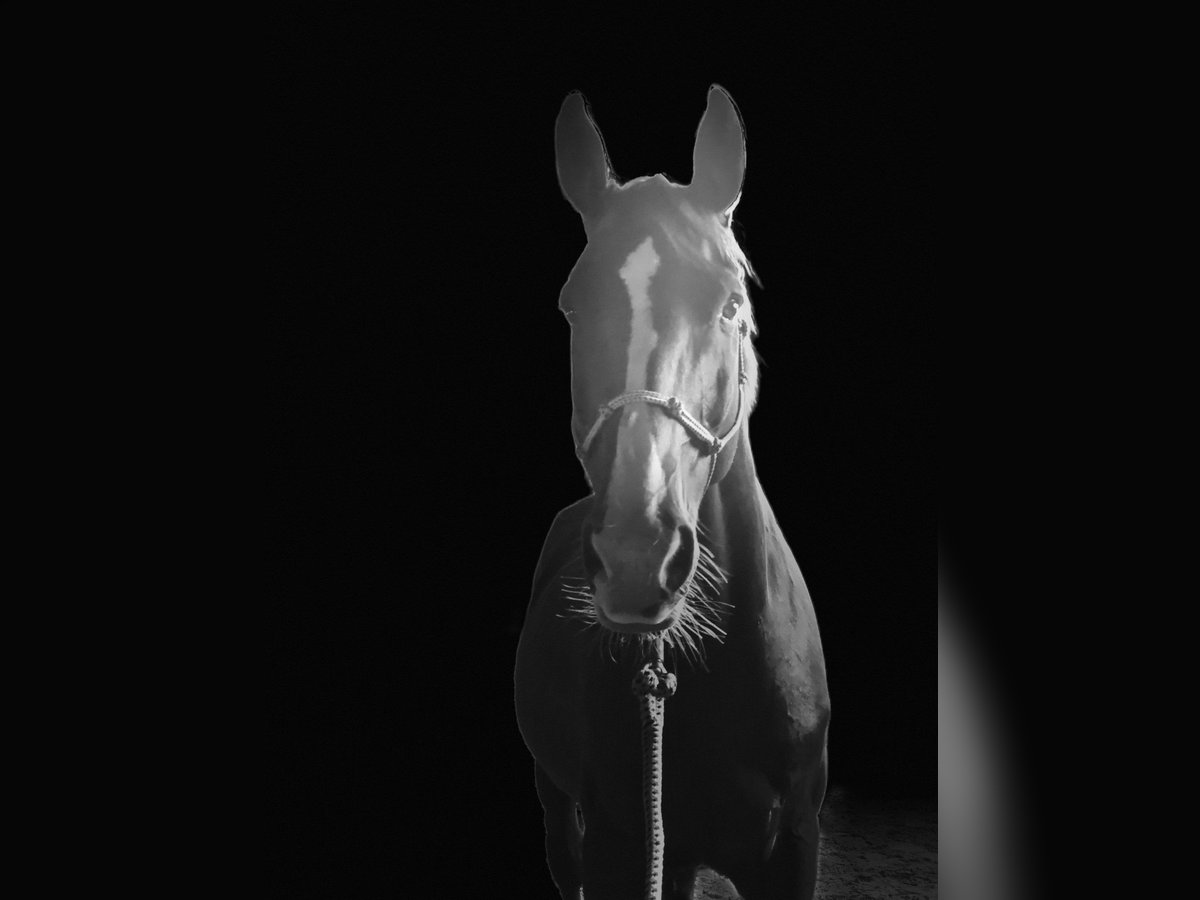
639 574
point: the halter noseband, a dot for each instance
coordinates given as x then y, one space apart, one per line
709 443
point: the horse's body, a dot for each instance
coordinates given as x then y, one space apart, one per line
744 753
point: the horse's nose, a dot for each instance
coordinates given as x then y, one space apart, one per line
670 569
637 572
679 565
592 564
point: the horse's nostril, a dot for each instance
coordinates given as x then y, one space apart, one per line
679 567
592 564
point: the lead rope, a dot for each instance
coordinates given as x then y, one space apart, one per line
653 684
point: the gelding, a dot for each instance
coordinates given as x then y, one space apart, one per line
676 547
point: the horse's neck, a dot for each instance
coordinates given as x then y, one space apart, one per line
736 517
738 523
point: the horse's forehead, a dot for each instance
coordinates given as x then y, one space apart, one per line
687 241
652 210
647 269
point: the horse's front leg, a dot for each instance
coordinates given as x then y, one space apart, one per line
613 860
791 870
564 835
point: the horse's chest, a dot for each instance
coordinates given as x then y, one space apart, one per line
724 773
724 732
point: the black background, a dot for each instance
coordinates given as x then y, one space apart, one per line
418 404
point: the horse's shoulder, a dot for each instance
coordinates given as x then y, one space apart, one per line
561 545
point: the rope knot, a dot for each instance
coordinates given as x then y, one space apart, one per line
654 679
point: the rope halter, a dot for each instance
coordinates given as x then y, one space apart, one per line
709 443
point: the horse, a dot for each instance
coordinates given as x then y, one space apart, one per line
676 544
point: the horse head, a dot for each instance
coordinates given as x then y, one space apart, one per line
663 373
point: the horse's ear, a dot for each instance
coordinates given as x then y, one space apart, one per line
583 170
719 159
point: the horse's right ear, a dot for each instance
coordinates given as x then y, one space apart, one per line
583 172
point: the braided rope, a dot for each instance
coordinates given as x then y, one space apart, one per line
672 404
653 684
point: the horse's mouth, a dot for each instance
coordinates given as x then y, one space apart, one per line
637 627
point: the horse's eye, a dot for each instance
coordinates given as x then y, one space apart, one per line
732 305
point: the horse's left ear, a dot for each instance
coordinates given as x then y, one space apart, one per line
719 159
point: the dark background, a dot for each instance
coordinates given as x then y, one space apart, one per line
418 404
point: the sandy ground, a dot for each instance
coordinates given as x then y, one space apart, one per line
869 849
877 849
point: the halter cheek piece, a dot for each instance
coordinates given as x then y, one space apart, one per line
708 442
